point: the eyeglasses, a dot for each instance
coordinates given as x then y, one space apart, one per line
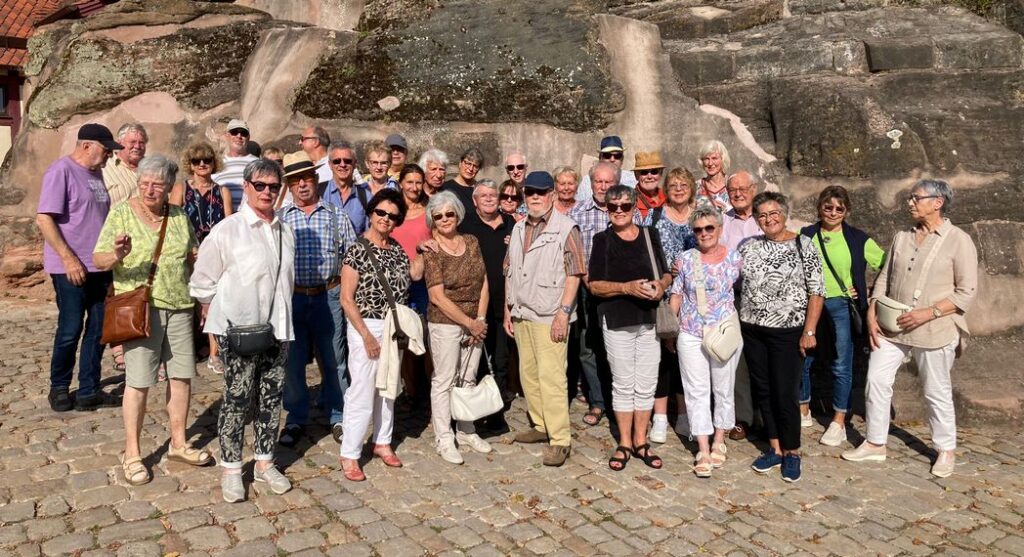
837 209
649 171
510 197
158 186
769 215
470 164
442 216
611 156
393 217
530 192
915 199
202 160
242 133
737 190
307 138
379 163
511 167
620 207
677 186
702 229
340 161
260 186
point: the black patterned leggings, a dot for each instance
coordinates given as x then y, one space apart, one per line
243 374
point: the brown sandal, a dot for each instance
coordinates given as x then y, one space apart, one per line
593 416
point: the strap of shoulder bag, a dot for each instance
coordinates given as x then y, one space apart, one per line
650 252
159 246
824 254
800 254
384 282
919 287
698 284
277 276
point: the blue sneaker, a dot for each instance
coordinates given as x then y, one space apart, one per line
768 460
791 468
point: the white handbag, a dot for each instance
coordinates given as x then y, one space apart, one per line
722 339
888 310
472 402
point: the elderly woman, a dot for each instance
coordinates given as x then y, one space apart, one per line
245 276
672 220
567 182
647 169
629 275
456 320
846 252
205 203
462 184
702 297
780 304
933 271
365 301
127 245
434 163
510 200
714 159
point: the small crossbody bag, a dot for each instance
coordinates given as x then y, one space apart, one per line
856 319
888 310
722 339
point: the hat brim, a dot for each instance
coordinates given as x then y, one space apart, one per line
112 145
648 167
611 150
301 168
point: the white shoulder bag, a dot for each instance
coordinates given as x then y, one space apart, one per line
722 339
888 310
472 402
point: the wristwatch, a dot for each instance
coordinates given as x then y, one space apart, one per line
936 312
809 333
566 309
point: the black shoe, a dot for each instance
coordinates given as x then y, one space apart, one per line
98 400
336 431
60 400
290 435
496 423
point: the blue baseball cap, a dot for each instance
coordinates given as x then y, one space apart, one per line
611 144
539 181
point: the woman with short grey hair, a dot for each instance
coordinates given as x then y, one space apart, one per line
435 163
702 297
127 245
456 320
714 159
917 309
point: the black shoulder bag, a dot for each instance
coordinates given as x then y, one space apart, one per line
399 336
250 340
856 319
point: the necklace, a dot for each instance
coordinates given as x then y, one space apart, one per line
451 248
150 215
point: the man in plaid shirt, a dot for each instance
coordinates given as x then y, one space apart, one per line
323 233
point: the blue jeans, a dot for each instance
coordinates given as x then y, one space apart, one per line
75 303
313 324
836 310
340 350
593 359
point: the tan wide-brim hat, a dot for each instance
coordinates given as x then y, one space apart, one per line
646 160
297 163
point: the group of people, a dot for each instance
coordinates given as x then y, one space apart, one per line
616 288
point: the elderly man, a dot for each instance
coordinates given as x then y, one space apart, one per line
540 299
611 151
591 216
515 167
322 235
399 154
120 175
435 163
235 159
343 190
73 205
314 141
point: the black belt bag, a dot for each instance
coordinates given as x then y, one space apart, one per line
250 340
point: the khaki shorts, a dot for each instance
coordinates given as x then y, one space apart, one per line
170 343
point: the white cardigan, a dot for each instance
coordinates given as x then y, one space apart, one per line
389 370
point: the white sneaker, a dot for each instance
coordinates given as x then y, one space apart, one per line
273 478
834 435
448 451
806 420
865 452
683 426
473 441
659 431
943 467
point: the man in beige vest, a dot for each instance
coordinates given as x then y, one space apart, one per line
542 271
119 174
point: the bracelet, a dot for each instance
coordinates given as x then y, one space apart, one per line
481 318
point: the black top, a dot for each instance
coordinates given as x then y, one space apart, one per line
493 244
616 260
465 195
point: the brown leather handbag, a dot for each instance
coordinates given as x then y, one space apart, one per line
126 315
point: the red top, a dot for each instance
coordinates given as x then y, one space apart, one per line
411 233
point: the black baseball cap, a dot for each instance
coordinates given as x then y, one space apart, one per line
99 133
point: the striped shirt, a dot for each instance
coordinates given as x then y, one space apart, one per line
231 176
122 182
321 240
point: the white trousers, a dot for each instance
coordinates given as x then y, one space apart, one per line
933 367
450 358
702 375
633 356
362 401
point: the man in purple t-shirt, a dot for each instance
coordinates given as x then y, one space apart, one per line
73 204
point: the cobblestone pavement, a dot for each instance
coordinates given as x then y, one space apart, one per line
60 491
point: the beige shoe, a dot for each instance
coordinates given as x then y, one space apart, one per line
865 453
555 455
834 435
531 436
943 467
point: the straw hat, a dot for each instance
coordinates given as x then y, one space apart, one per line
297 163
648 159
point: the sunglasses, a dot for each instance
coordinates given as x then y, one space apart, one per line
260 186
442 216
611 156
649 171
620 207
242 133
511 167
340 161
530 192
510 197
202 160
702 229
393 217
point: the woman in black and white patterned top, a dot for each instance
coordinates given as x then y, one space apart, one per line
781 299
365 302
